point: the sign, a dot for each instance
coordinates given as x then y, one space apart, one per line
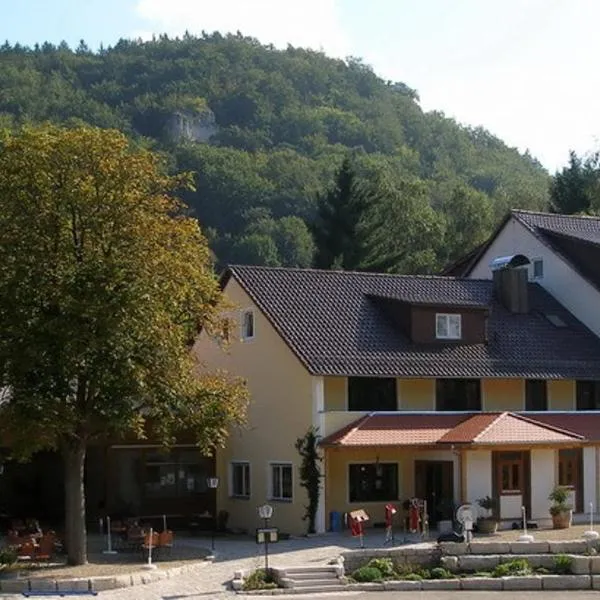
267 534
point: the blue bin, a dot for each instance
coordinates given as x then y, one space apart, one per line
335 521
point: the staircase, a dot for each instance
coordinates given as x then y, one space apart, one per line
310 580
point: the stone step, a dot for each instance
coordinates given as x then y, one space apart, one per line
319 590
323 569
311 575
316 583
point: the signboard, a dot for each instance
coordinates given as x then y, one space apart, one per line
267 534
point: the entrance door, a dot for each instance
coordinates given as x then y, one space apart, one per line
434 481
512 483
570 468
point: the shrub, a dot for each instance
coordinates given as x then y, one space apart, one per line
441 573
518 566
562 564
412 577
481 574
424 573
542 571
384 565
8 556
259 580
367 574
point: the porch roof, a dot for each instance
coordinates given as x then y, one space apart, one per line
496 428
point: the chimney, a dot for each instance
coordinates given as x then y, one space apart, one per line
510 282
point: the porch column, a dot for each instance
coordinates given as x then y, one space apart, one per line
542 482
589 478
318 418
478 474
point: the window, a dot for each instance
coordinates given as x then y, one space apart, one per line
510 469
569 465
538 268
588 395
176 474
447 327
536 394
372 393
281 481
373 482
240 479
458 394
247 325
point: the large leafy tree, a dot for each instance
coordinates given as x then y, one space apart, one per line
104 284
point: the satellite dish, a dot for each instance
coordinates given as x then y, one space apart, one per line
465 513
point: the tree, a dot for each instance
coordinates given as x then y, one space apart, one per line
310 474
104 284
576 189
339 236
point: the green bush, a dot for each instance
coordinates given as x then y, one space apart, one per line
384 565
259 580
562 564
441 573
518 566
424 573
367 574
412 577
542 571
481 574
8 556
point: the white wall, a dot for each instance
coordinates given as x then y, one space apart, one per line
589 478
559 277
479 475
542 481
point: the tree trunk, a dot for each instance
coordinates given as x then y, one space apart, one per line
75 533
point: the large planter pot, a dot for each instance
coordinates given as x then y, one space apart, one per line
562 520
487 525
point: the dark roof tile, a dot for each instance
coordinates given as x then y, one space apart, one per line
329 320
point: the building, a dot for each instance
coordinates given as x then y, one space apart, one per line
444 388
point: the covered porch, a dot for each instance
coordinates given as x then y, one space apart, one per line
451 459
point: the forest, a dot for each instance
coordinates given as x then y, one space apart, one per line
272 136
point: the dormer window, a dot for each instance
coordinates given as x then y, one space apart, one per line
247 325
447 326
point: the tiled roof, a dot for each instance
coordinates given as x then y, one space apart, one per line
332 323
506 428
584 424
585 228
481 428
394 430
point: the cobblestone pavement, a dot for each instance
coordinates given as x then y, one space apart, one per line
211 581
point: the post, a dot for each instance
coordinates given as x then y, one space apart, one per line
149 565
525 537
591 534
164 522
109 550
213 484
266 547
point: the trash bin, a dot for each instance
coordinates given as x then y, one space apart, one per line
335 521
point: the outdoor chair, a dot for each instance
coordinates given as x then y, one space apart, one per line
146 544
165 543
45 549
26 552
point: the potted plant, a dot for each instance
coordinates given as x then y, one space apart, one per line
562 513
487 523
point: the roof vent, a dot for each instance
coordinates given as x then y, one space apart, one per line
555 320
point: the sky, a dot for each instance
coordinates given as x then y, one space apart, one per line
527 70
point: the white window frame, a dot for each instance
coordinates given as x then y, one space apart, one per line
533 263
232 465
447 317
270 492
243 336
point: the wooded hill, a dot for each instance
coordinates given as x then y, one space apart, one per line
266 131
